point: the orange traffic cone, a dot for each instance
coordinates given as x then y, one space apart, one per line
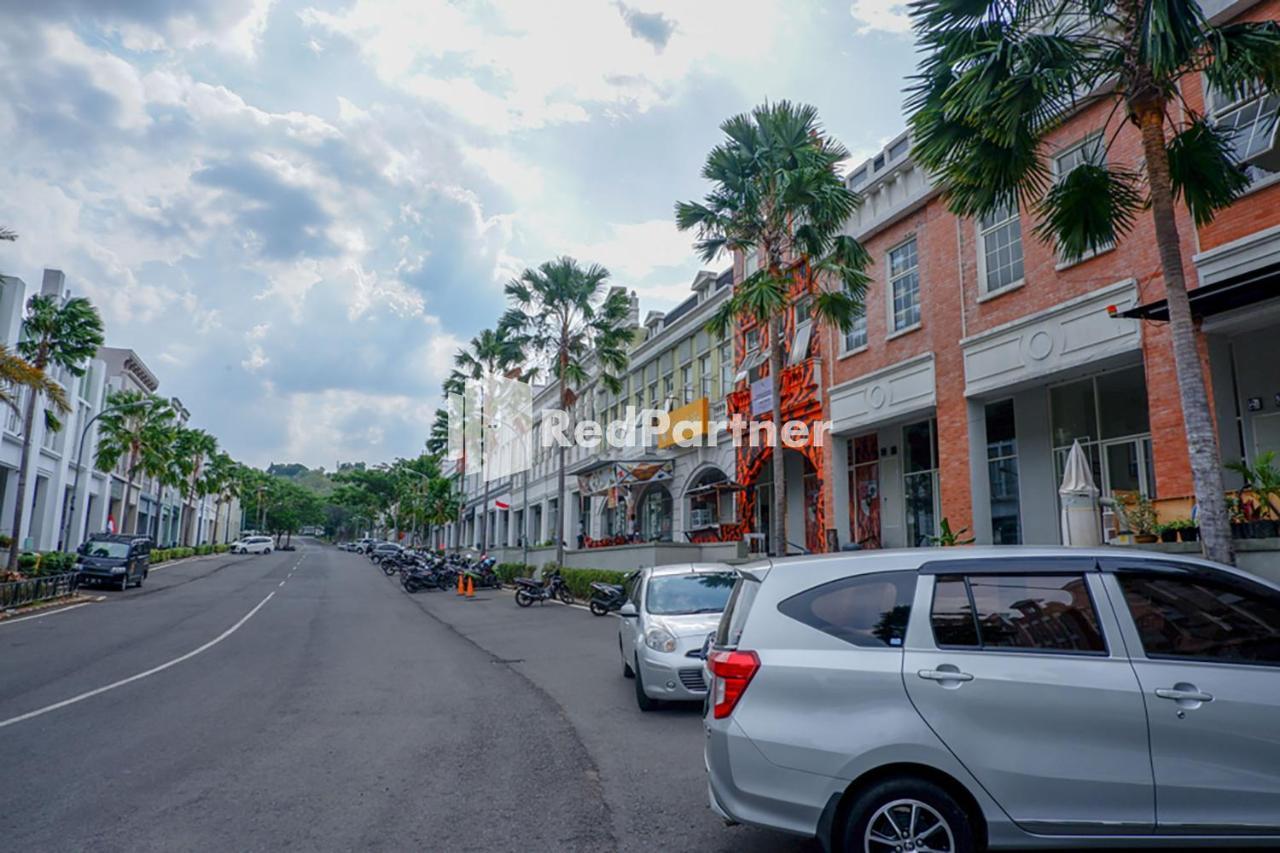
471 587
460 589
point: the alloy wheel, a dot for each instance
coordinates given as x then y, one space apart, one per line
908 826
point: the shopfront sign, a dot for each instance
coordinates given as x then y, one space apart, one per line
685 425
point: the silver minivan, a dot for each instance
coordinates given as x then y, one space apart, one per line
954 700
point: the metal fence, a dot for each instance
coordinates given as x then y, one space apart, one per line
35 590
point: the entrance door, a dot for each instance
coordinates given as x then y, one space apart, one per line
764 514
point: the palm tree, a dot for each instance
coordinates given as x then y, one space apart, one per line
776 190
17 373
217 480
7 235
140 431
192 449
492 352
59 335
567 315
998 76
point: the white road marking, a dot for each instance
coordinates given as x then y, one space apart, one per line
141 675
52 612
281 583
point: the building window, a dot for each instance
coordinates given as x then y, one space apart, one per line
1000 249
1002 474
904 284
704 372
653 395
752 339
1251 119
726 368
856 337
1088 150
920 481
668 391
750 262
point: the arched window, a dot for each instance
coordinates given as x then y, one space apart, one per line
705 496
655 514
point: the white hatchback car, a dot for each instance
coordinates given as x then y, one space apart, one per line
252 545
663 626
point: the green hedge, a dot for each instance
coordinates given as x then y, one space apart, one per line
46 563
510 571
579 580
162 555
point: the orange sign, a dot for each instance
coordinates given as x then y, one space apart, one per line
686 424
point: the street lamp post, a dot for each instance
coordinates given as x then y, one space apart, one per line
75 487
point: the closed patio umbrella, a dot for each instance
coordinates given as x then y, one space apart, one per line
1081 527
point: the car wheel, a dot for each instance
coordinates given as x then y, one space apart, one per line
627 671
907 814
267 551
643 700
124 582
141 578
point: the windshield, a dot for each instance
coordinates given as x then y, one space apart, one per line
111 550
679 595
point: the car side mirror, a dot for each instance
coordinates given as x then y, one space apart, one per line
628 610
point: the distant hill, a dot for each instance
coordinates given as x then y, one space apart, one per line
315 480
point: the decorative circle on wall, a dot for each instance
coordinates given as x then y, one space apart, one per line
876 396
1040 345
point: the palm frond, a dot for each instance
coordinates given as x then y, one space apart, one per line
1090 209
1204 170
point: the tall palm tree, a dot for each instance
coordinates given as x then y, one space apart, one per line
776 190
217 478
140 431
192 449
62 335
567 315
16 373
997 75
493 352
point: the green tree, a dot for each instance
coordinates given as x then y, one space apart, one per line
776 190
219 479
493 352
58 335
140 431
568 316
17 375
997 76
192 450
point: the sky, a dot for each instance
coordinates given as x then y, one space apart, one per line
297 211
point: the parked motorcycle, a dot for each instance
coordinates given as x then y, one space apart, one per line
422 575
606 598
484 574
529 590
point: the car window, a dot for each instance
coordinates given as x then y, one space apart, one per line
105 549
865 610
681 595
736 609
1209 616
1028 612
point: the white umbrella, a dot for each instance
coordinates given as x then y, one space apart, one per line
1080 524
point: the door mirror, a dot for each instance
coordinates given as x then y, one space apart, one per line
628 611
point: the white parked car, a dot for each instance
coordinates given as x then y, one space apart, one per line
252 545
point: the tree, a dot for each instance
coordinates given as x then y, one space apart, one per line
192 448
997 76
140 431
16 373
58 335
490 353
219 479
776 190
566 315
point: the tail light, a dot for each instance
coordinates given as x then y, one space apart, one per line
733 671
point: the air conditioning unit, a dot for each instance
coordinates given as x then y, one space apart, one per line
702 517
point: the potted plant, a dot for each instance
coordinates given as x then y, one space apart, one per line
1141 516
1262 478
1186 529
1238 517
1168 533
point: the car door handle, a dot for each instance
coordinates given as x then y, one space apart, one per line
1180 694
944 675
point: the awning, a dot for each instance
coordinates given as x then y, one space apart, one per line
1207 300
722 486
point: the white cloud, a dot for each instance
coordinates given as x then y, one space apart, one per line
635 250
890 16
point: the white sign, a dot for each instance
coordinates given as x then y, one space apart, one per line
762 396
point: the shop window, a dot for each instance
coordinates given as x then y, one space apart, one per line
864 490
655 514
904 284
704 500
920 481
704 372
726 368
1002 474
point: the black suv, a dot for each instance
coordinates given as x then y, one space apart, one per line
114 559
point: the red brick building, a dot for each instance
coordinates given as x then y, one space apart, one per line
983 356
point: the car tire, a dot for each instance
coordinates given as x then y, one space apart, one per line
890 803
267 551
124 582
643 700
141 578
